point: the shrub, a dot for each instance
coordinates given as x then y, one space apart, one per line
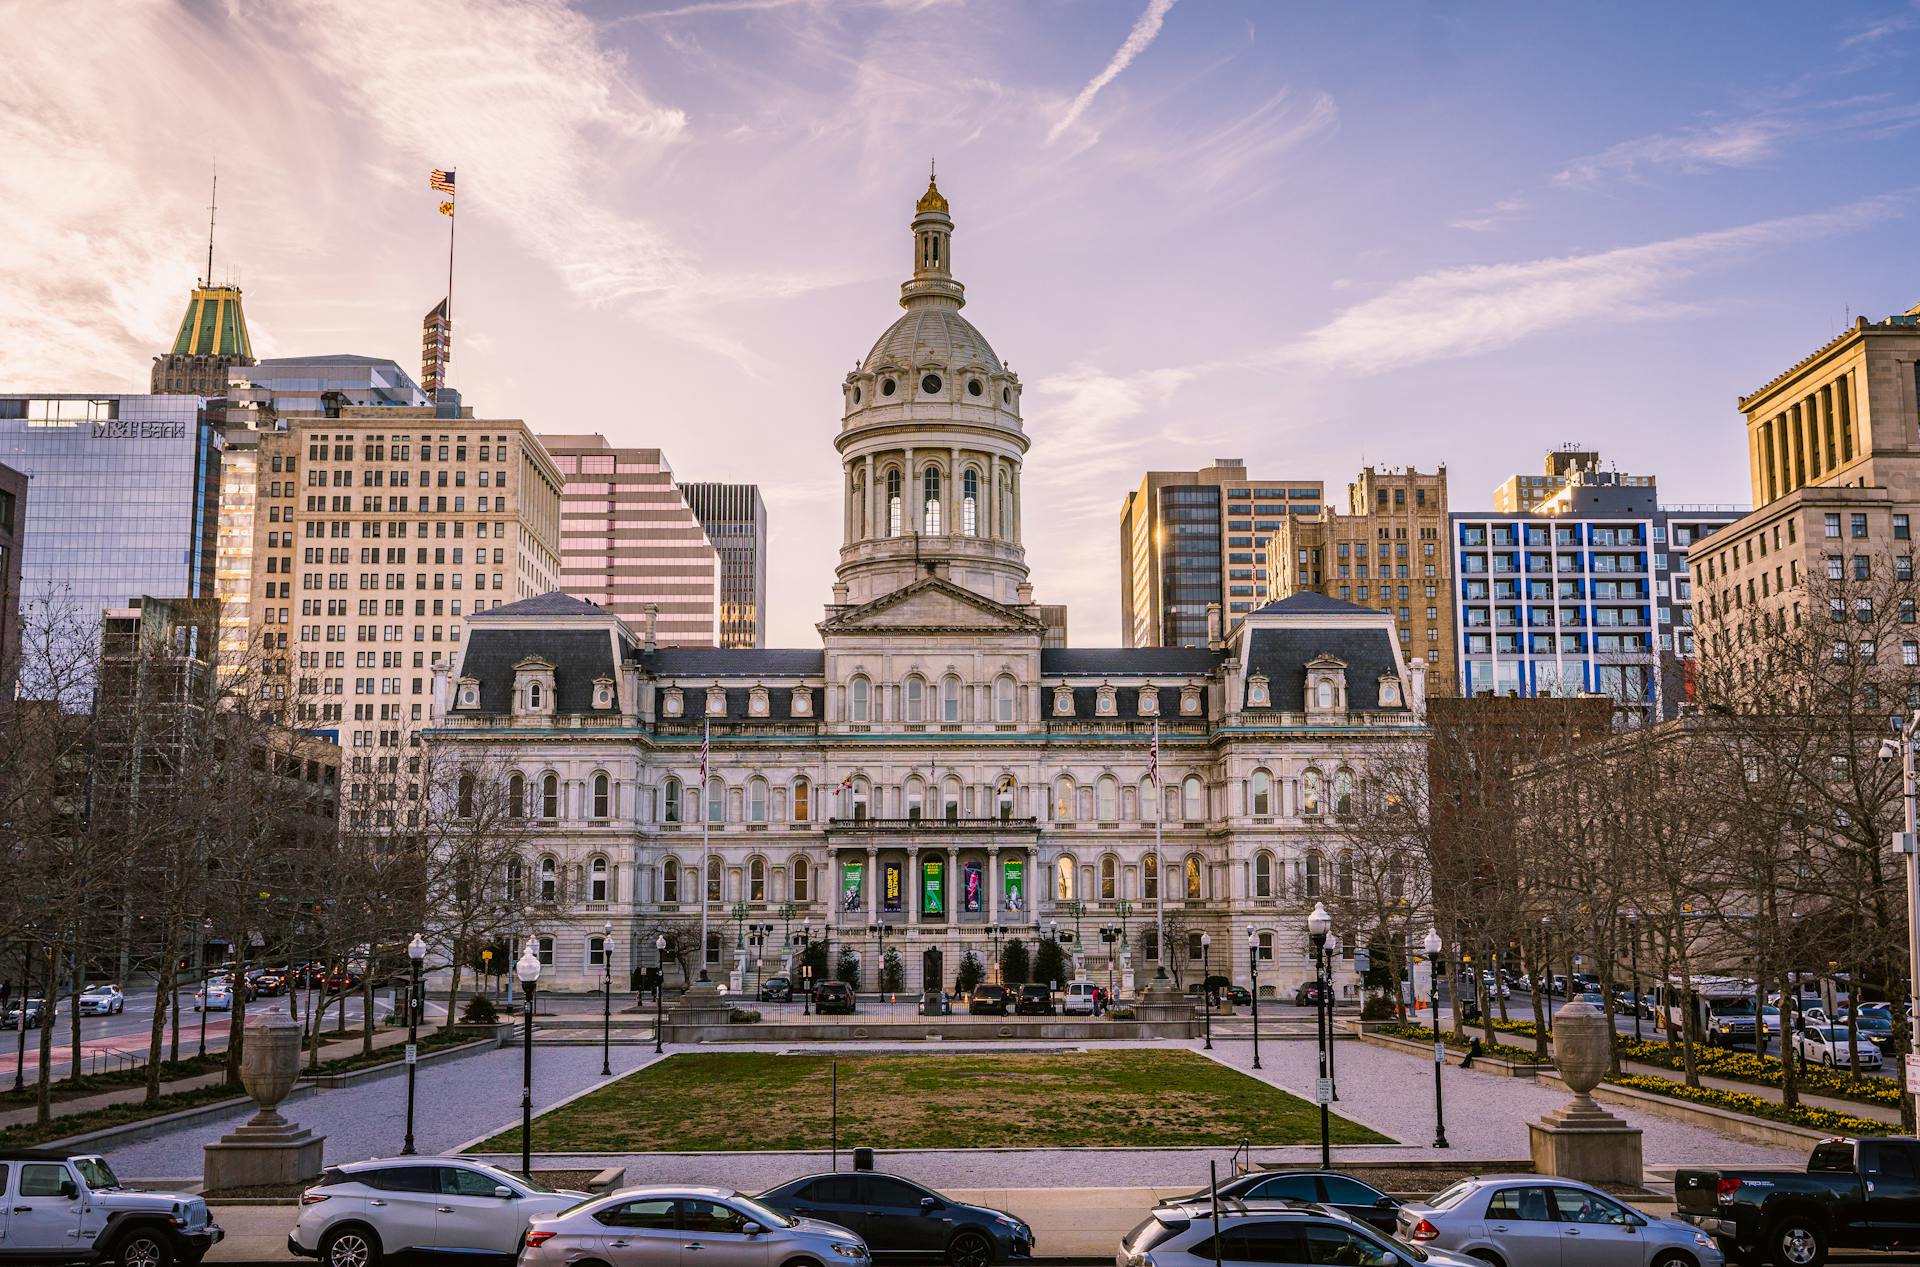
1050 962
1378 1007
848 969
1120 1012
1499 1051
969 974
743 1016
1745 1066
1016 967
893 971
479 1011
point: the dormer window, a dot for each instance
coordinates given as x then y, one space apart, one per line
1104 703
1389 692
533 688
533 697
468 693
801 702
757 702
603 692
672 702
716 701
1326 685
1190 701
1149 702
1258 696
1063 701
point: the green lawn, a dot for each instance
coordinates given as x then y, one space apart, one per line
739 1101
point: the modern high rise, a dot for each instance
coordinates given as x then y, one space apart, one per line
436 347
1193 538
126 492
736 522
1588 593
13 531
630 543
212 340
379 530
1525 492
1389 551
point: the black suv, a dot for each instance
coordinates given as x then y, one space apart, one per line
833 996
776 990
987 1000
899 1219
1035 1000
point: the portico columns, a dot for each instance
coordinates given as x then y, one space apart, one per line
952 888
993 884
873 884
914 880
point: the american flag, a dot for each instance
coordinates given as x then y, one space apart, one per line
441 181
706 746
1153 756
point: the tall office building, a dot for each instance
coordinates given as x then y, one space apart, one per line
736 522
126 492
212 340
630 543
1588 593
1191 538
1388 551
379 530
1526 492
13 528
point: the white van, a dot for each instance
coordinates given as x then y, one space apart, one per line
1078 1000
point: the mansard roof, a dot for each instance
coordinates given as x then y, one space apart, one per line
1283 655
1128 661
578 656
753 662
551 603
1307 603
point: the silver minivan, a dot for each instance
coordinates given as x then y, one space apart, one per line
671 1226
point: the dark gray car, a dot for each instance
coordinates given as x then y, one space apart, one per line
900 1219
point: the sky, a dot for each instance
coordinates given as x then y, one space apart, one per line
1310 236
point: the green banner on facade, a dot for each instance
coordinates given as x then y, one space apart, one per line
851 894
1016 873
933 896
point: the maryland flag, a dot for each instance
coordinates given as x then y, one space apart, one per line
442 182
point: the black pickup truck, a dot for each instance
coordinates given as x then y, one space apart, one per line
1854 1194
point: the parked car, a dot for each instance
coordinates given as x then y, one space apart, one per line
215 996
267 982
987 1000
646 1227
1339 1192
102 1000
1876 1026
776 990
1034 1000
1183 1236
833 996
1307 995
72 1209
1828 1045
1492 984
37 1014
357 1214
1520 1220
898 1218
1079 999
1851 1194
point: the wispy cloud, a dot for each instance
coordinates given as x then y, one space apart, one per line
1738 143
1490 218
1877 31
1469 311
1272 128
1144 32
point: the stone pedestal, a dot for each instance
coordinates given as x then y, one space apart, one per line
1582 1140
1164 1007
268 1149
703 1007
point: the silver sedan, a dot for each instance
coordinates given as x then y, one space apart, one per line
1529 1220
665 1226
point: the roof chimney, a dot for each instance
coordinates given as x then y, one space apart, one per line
1215 635
653 616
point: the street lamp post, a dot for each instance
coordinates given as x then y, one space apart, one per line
1436 965
528 970
1633 954
1253 978
880 934
1319 923
416 956
1546 956
1909 843
805 942
206 996
660 996
1206 996
1331 953
606 999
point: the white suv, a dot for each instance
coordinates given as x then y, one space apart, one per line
360 1212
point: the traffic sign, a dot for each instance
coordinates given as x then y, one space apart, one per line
1439 1053
1323 1092
1913 1073
413 1054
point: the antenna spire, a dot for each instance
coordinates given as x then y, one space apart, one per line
212 202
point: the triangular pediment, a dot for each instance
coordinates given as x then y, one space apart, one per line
1326 660
932 605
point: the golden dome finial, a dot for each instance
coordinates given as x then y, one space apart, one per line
933 199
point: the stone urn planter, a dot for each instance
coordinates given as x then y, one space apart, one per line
1582 1140
268 1150
270 1064
1581 1046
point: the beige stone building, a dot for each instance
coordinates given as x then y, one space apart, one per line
1564 467
1389 551
1192 539
1834 460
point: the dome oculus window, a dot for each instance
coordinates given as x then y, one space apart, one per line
1006 395
930 384
856 395
973 387
886 387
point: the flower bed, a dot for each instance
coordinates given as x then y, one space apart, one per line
1825 1120
1499 1051
1766 1071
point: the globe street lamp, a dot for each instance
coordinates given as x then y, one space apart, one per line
528 970
1633 951
416 955
1434 968
660 994
1206 987
1319 924
606 999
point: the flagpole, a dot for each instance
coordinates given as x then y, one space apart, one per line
1159 863
446 358
706 825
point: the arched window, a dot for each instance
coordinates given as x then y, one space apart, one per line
1313 875
757 880
862 798
465 796
517 794
1003 699
950 698
1193 877
533 695
597 880
1263 874
713 880
673 800
802 880
1310 792
1323 695
1150 877
1343 793
1063 799
950 800
916 693
1107 799
716 801
859 701
1192 799
1343 874
970 502
930 516
549 881
1260 788
1109 878
1063 889
802 801
550 796
670 881
602 796
757 800
513 880
893 503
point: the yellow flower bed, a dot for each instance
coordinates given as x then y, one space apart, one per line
1745 1066
1825 1120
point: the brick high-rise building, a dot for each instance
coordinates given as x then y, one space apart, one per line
1193 538
1389 551
1564 465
